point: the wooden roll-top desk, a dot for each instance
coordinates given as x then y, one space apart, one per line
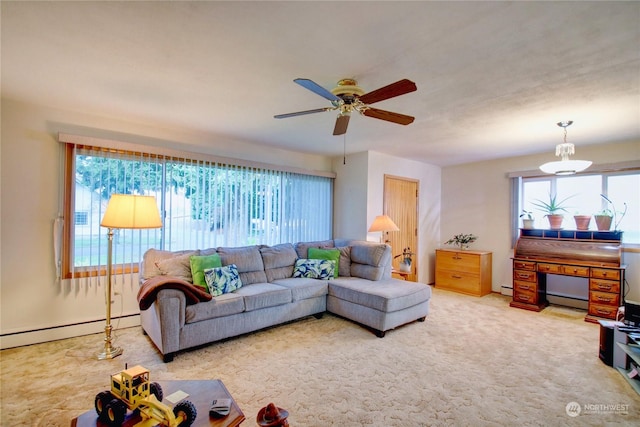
594 255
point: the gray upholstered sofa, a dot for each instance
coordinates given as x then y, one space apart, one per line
176 317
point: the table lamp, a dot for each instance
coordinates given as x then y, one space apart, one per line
384 224
124 211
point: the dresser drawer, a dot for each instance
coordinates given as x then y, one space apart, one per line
458 261
549 268
529 276
606 311
458 281
574 270
524 265
604 273
529 297
604 285
525 286
606 298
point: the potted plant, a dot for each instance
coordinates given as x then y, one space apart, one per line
605 217
462 240
405 262
582 221
552 210
527 219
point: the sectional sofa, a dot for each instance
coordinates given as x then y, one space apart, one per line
178 315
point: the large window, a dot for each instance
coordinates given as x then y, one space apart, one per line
204 204
583 197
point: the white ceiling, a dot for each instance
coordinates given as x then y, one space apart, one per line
493 77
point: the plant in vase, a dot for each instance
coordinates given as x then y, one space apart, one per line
607 216
553 210
527 219
462 240
604 218
405 262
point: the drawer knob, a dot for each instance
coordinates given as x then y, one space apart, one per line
455 276
525 288
604 287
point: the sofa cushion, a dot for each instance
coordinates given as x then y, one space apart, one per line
344 265
302 248
220 306
369 261
148 267
177 266
314 268
278 261
369 254
384 295
304 288
328 254
201 262
249 263
262 295
222 280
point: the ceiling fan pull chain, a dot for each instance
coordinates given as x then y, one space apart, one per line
344 149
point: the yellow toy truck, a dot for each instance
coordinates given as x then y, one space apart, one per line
132 390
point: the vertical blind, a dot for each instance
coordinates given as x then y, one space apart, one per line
204 204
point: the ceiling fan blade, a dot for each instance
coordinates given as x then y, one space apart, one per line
317 89
302 113
394 89
389 116
341 124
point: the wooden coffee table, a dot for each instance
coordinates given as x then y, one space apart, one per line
201 394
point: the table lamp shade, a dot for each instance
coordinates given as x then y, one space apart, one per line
131 211
383 223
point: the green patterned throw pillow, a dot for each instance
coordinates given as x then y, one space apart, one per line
222 280
314 268
328 254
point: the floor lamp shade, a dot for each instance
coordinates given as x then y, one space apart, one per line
131 211
124 211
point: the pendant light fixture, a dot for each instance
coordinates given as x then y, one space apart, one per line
564 150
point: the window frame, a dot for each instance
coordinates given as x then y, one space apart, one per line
603 171
69 270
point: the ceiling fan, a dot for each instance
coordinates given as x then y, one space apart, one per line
347 97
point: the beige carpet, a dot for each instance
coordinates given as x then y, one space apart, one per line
474 362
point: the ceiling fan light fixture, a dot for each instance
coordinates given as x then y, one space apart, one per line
564 150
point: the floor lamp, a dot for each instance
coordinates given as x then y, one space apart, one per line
385 224
124 211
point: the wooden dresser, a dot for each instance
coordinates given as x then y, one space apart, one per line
467 272
594 255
